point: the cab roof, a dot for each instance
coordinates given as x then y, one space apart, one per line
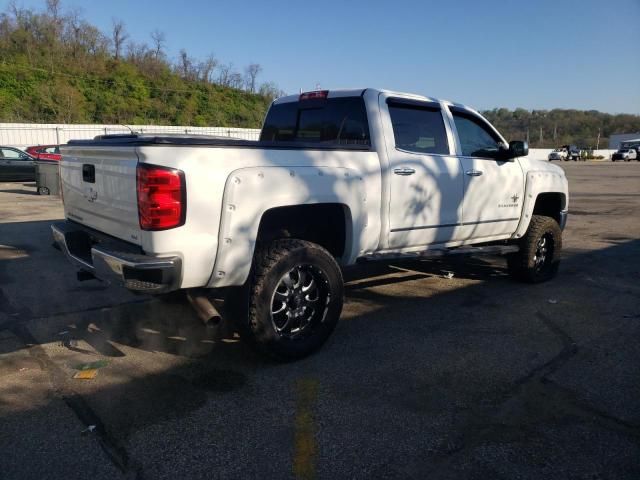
357 92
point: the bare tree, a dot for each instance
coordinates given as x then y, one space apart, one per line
120 36
271 91
186 65
53 7
138 52
159 40
235 80
252 72
224 78
207 68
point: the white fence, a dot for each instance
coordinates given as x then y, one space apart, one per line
23 135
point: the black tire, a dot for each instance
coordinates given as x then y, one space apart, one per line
539 256
283 319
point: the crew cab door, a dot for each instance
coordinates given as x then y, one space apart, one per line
424 177
493 189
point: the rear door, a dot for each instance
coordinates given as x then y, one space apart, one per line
493 189
426 184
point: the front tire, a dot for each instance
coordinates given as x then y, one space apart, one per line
295 299
539 256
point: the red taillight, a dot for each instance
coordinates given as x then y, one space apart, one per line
318 94
161 197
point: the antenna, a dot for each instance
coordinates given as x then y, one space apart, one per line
130 129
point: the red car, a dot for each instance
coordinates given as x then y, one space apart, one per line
45 152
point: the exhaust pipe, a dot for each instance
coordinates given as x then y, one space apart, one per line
202 305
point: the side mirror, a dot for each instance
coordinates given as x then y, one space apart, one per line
518 148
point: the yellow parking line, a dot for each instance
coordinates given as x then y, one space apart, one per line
304 438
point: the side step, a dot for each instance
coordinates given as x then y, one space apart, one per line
444 252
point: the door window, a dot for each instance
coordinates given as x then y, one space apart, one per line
476 138
11 154
418 128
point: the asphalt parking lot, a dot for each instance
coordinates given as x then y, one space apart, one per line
426 376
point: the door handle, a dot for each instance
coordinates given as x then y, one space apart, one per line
473 173
404 171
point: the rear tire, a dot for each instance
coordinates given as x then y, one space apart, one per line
295 299
539 256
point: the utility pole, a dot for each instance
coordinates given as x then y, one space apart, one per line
527 134
540 136
598 141
555 132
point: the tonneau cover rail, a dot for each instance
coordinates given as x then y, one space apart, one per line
129 140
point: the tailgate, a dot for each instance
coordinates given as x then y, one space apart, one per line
99 189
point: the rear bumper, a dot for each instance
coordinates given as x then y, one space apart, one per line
117 261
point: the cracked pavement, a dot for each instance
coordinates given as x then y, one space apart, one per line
473 376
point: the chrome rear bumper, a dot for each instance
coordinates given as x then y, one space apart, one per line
110 259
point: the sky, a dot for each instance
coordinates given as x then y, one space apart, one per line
485 53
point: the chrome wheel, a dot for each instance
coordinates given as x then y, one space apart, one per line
299 301
544 252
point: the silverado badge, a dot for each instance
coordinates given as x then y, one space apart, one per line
514 201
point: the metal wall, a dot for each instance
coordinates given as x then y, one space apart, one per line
23 135
616 139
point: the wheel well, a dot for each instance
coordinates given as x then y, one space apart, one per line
550 205
326 224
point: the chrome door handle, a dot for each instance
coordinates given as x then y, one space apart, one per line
404 171
473 173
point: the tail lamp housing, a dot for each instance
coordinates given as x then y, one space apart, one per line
162 197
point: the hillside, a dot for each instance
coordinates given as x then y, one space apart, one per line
550 128
56 67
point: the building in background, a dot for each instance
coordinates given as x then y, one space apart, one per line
616 140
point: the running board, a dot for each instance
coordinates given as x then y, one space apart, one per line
444 252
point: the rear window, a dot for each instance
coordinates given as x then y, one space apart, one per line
335 121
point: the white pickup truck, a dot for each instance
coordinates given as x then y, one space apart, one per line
337 177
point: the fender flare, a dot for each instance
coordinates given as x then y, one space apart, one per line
250 192
537 183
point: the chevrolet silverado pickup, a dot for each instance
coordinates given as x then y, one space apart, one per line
336 178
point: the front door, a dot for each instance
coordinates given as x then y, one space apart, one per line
425 179
493 189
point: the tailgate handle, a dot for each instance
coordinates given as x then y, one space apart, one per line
89 173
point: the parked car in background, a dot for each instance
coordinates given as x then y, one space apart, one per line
45 152
558 154
626 154
573 152
16 165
